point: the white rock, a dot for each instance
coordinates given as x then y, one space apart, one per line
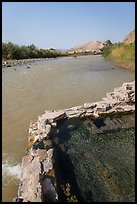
47 129
53 115
47 165
89 105
103 106
50 153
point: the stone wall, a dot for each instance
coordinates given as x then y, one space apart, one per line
38 180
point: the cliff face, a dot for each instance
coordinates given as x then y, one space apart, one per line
92 46
129 38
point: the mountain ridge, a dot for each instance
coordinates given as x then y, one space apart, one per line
91 46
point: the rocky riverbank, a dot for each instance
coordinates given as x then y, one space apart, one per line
11 63
38 180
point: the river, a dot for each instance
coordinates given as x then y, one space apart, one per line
50 84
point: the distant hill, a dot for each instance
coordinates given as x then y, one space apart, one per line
129 38
62 50
92 46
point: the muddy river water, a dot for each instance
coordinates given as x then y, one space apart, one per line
49 84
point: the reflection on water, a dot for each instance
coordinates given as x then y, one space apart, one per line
51 84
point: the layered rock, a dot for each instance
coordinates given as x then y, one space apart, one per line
38 181
130 38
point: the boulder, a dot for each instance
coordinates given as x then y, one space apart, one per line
52 116
50 153
76 111
30 187
102 106
47 165
41 154
89 105
26 160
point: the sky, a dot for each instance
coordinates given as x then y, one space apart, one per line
63 25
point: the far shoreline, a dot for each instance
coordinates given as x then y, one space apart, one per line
11 63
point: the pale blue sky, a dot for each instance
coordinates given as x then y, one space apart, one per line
66 24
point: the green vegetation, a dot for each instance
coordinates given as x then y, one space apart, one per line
123 55
12 51
77 54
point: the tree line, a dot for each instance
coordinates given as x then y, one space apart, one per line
13 51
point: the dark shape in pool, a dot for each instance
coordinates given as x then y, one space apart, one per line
65 175
96 167
38 145
99 122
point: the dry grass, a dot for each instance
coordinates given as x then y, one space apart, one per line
122 55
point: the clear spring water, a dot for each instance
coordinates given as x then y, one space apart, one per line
95 160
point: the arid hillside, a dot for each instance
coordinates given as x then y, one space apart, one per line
92 46
130 38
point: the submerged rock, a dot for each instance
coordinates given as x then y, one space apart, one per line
47 144
49 192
